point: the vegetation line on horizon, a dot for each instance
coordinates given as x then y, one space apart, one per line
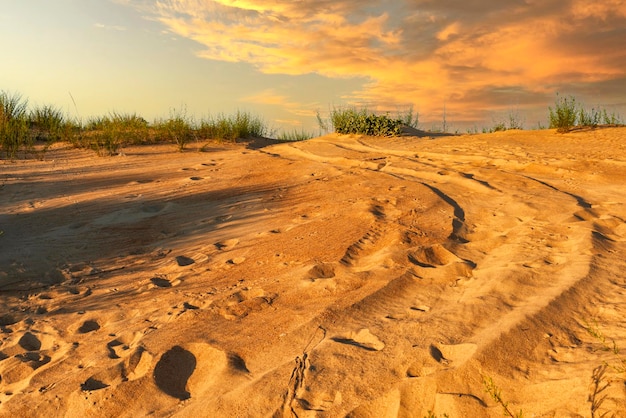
21 128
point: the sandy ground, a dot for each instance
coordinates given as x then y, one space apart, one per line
343 275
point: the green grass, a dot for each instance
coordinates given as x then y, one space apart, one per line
46 124
179 128
353 120
21 128
568 114
241 125
14 130
294 136
361 121
108 134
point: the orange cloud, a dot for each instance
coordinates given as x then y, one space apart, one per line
421 52
270 97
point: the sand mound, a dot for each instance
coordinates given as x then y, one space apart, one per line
341 276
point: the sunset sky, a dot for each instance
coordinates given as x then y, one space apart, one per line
286 59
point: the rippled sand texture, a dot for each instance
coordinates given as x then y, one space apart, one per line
339 276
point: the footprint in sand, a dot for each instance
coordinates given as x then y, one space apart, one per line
227 245
173 370
433 256
183 261
454 353
34 359
161 282
241 303
93 384
236 261
29 342
195 369
120 346
137 364
89 326
362 338
322 271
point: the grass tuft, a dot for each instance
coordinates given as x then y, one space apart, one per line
14 132
294 136
242 125
567 114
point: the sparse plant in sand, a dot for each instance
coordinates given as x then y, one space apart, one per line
178 128
513 120
599 378
563 116
46 124
494 391
567 114
409 118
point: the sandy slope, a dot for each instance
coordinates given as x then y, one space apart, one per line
339 276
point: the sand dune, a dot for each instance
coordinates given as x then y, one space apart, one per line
341 276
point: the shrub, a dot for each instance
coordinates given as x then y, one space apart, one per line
13 123
353 121
563 116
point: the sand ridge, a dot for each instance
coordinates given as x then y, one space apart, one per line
340 276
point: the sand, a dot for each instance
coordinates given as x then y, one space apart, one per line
344 275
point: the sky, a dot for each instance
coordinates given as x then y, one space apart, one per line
475 61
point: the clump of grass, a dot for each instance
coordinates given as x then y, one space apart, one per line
563 116
355 121
567 114
107 134
513 120
46 124
242 125
360 121
294 136
14 131
494 391
178 128
499 127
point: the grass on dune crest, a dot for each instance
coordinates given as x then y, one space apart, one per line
21 128
353 120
